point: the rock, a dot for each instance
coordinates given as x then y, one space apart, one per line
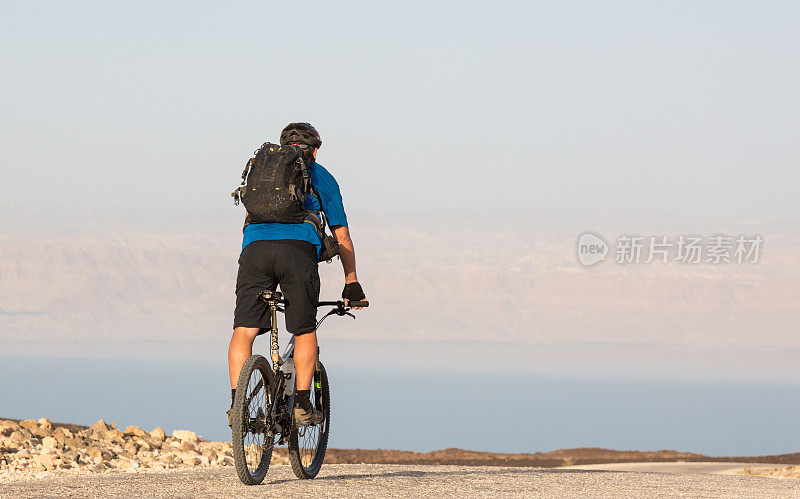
45 423
49 443
189 459
100 427
143 445
188 447
62 434
136 431
8 427
28 424
74 443
158 434
18 437
46 462
99 468
97 454
185 435
114 436
40 432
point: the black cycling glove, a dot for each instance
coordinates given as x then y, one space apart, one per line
353 292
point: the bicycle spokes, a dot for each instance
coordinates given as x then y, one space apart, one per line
256 422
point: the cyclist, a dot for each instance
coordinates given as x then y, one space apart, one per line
287 254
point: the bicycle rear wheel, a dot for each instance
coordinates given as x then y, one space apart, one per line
252 441
307 444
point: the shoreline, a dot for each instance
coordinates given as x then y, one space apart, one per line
450 456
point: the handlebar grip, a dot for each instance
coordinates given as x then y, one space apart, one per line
363 303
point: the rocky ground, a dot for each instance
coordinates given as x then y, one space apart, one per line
40 448
30 449
382 480
783 472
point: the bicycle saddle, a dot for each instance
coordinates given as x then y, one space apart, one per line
268 295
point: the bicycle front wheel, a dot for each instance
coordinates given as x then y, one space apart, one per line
253 440
307 444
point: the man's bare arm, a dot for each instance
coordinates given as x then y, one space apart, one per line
346 253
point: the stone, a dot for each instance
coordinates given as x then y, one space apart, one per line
143 445
189 459
114 435
74 443
136 431
45 423
97 454
188 447
100 427
28 424
18 437
185 435
62 434
46 462
49 443
8 427
40 432
99 468
158 434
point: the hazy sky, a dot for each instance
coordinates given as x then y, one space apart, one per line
687 107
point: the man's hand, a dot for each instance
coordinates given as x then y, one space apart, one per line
352 289
352 292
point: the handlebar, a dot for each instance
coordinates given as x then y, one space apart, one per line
340 303
277 297
274 298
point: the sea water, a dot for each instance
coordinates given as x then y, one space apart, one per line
412 410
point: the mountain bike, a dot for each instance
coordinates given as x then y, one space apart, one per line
263 415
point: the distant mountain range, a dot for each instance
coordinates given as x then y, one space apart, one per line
507 278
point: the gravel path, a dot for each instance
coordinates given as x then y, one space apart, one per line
370 480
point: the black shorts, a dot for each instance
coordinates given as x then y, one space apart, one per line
267 264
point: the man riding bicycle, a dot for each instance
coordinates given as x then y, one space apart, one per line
287 254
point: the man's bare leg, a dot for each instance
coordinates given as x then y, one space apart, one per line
305 356
239 350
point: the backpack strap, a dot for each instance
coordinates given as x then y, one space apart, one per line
321 211
237 194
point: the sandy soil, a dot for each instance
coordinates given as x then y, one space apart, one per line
404 481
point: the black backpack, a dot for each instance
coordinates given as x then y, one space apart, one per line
275 184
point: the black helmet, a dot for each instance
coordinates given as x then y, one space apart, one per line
301 133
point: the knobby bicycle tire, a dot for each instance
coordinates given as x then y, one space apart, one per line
247 402
295 451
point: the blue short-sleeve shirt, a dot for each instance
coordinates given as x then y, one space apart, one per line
332 206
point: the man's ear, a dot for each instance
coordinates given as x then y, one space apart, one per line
314 153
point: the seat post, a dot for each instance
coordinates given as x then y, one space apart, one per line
273 336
